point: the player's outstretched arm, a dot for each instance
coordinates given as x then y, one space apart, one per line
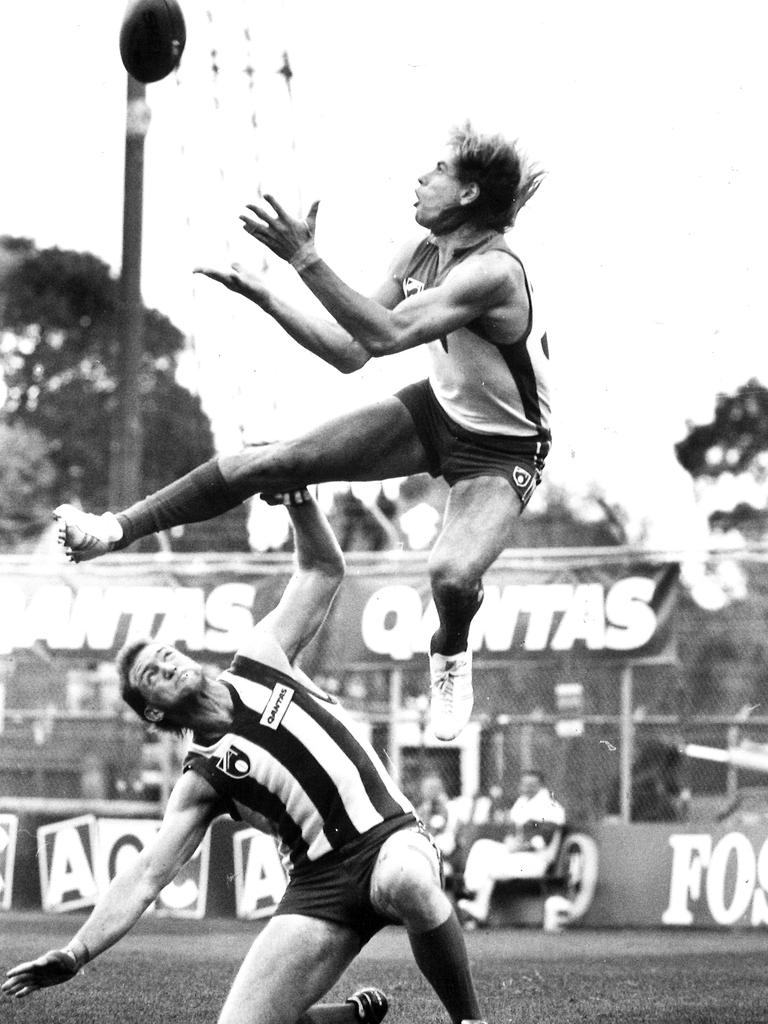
317 575
322 338
379 326
191 808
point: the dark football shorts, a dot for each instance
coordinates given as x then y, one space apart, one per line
456 453
338 888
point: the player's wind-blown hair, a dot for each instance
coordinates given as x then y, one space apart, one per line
505 177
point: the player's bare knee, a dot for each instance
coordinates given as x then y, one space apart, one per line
445 571
453 579
406 881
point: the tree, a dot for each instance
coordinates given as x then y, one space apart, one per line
59 318
723 655
27 478
735 442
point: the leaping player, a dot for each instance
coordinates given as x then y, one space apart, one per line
481 419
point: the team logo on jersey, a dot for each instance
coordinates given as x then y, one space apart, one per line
277 705
234 763
521 477
412 286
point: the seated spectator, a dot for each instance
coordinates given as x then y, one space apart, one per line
434 809
536 822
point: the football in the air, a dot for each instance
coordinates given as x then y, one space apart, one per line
152 38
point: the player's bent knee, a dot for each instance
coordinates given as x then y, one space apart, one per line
454 579
406 882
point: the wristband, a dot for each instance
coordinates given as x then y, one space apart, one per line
288 498
79 952
304 257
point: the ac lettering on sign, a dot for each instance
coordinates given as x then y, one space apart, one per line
725 878
80 857
66 854
534 617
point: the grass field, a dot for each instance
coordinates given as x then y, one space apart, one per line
175 971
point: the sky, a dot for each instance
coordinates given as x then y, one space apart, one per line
646 242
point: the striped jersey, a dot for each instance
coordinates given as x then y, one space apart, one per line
292 757
486 386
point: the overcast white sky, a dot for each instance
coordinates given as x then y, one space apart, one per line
647 240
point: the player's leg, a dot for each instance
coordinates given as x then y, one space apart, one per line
476 529
406 885
293 962
372 443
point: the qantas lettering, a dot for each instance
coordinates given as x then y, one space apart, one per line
532 617
91 617
277 705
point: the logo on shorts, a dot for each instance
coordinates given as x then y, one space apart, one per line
234 763
521 477
277 705
412 286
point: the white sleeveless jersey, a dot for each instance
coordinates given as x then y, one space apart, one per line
488 386
292 757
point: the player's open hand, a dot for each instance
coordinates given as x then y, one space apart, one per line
52 968
286 236
238 280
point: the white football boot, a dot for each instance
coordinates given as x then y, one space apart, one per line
84 535
451 693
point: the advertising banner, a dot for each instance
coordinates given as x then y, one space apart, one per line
9 825
66 853
615 605
120 840
654 875
80 856
650 875
260 880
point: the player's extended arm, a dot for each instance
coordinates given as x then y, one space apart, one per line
322 337
473 288
191 808
318 572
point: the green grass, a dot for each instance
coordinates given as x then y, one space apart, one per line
175 971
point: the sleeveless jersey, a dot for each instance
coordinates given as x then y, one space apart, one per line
292 758
486 387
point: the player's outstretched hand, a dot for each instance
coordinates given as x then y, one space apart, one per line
286 236
238 280
52 968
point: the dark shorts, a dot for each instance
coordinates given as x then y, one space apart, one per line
456 453
338 888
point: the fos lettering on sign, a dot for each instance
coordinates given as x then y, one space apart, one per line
725 880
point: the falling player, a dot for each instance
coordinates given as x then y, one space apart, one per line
266 742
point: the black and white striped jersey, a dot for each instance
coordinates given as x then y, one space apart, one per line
293 757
